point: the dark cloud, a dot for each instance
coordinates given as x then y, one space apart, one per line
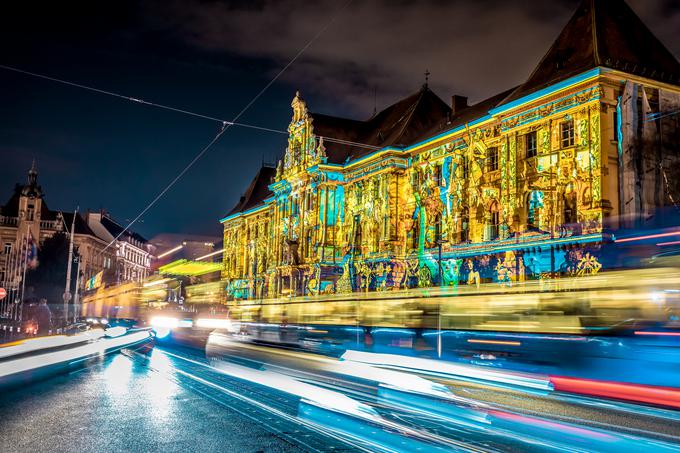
472 48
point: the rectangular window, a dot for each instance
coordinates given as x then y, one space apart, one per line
8 248
567 134
492 159
438 174
530 143
493 227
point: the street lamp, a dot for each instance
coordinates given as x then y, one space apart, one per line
440 242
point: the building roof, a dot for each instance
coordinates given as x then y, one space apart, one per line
397 125
31 189
11 207
115 229
604 33
81 224
466 115
257 191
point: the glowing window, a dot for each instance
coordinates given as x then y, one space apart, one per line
492 159
531 144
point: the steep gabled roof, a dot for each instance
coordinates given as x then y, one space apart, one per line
397 125
604 33
466 115
257 191
81 226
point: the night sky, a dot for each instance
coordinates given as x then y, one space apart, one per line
212 58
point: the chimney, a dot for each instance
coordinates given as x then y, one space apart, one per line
458 103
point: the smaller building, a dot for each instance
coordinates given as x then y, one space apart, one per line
132 251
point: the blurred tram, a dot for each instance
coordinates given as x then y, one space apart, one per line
611 302
577 325
624 323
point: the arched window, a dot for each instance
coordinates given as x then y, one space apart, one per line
464 224
534 203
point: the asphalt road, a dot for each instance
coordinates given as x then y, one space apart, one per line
121 404
182 399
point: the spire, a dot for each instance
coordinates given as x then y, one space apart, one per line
427 74
33 174
604 33
31 188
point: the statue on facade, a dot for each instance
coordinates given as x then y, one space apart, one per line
321 149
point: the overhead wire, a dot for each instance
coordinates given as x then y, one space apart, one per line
221 121
225 124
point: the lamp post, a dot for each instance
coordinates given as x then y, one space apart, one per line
440 242
75 296
67 289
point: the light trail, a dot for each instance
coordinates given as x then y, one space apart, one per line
272 381
649 236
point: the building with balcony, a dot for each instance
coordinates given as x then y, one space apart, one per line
26 218
518 186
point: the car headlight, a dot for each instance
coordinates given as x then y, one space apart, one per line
164 321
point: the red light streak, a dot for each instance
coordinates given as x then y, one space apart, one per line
649 236
662 396
665 334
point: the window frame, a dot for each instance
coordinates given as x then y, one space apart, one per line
492 157
494 225
570 139
531 151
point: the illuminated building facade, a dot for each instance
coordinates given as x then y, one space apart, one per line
518 186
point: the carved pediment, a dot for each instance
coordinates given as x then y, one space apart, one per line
304 149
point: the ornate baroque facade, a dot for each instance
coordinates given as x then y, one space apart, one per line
514 187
